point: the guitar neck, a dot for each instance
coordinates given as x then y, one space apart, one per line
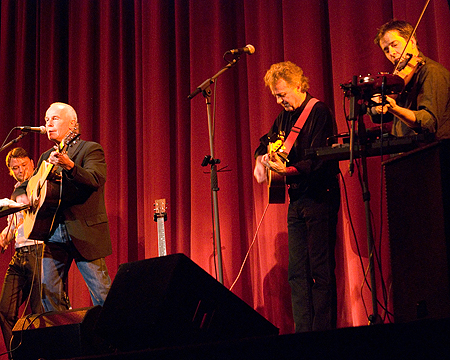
161 237
160 216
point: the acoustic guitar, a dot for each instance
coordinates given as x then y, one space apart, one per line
276 182
44 193
160 216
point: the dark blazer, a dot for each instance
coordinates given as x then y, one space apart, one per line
83 199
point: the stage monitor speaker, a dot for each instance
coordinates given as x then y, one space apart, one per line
418 203
169 301
57 335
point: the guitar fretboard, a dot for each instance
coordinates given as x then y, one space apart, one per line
160 216
161 237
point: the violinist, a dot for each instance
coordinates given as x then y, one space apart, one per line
424 103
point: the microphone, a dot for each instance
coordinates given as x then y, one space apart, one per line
36 129
248 49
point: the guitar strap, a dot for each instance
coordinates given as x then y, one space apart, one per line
298 126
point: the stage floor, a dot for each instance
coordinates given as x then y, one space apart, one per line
422 339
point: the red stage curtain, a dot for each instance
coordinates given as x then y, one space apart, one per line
128 66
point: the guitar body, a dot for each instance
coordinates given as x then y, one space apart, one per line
43 191
276 182
277 188
44 198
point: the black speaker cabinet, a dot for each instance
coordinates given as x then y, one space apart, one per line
170 301
418 203
57 335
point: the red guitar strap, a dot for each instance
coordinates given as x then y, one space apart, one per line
298 126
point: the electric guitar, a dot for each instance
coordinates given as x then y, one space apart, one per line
160 216
276 182
44 191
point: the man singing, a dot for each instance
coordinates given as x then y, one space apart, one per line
80 232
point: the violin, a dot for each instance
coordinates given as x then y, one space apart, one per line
406 71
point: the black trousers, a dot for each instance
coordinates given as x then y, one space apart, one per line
312 238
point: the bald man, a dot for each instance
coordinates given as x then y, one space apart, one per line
80 231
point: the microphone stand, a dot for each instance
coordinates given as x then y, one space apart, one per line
13 141
352 119
205 89
356 114
374 318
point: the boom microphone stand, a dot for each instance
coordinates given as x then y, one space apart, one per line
12 141
205 89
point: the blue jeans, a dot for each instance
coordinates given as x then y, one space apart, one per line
312 239
59 252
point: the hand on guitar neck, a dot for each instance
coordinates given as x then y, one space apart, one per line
61 159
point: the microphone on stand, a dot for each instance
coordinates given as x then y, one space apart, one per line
248 49
37 129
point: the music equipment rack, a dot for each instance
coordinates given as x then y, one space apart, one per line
374 147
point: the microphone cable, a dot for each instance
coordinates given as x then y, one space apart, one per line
251 245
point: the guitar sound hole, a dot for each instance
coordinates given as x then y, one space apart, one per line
36 200
35 204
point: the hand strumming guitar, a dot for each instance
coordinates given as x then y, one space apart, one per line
4 242
275 163
260 172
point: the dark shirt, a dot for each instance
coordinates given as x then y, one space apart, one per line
315 174
428 96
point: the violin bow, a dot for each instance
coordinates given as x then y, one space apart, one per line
411 35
